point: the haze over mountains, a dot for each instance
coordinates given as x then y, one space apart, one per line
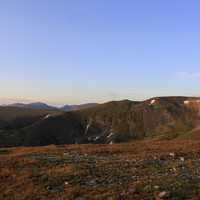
44 106
112 122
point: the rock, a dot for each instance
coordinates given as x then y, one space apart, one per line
66 183
156 187
92 183
163 194
172 154
182 159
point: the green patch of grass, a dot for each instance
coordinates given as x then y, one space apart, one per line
157 106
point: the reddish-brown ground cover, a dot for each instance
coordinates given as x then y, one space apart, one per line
138 170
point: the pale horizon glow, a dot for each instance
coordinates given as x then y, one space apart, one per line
75 52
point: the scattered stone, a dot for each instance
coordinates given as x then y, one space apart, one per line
163 194
66 183
156 187
172 154
92 183
158 175
182 159
134 177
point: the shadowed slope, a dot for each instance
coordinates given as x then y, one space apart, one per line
117 121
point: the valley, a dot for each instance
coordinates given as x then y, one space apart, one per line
112 122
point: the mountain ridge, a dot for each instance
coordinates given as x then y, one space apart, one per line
112 122
44 106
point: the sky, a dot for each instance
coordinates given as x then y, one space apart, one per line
79 51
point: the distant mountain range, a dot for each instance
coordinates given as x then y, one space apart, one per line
36 106
112 122
43 106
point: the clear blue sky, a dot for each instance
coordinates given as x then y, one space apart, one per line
76 51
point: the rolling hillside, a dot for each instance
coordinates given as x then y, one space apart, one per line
112 122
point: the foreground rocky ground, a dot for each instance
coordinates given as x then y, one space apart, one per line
138 170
